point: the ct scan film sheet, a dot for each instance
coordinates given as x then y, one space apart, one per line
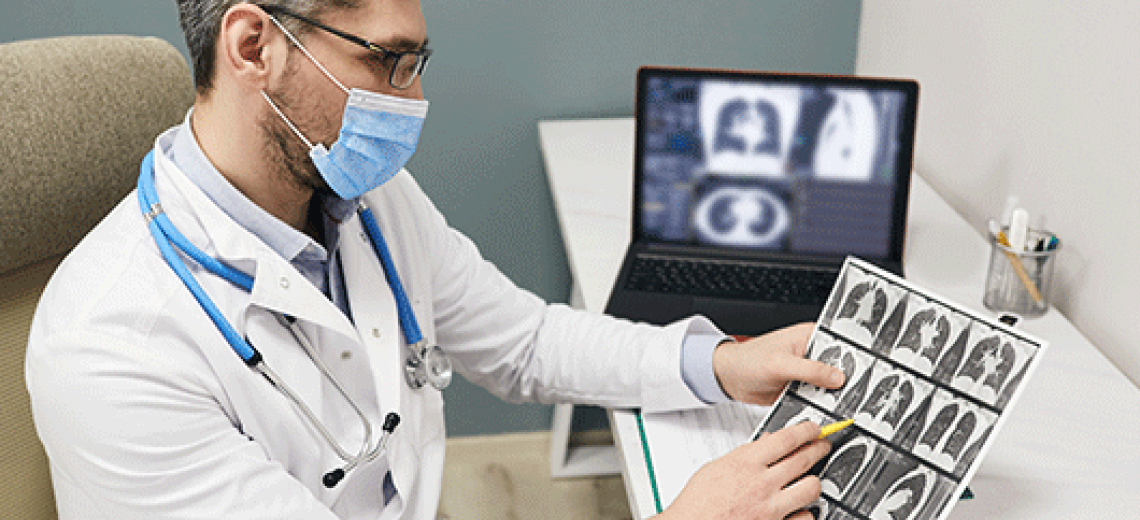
929 385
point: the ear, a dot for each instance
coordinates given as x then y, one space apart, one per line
250 50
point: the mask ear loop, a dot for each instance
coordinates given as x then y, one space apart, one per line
322 68
286 119
306 51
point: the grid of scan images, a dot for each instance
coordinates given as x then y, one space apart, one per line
927 385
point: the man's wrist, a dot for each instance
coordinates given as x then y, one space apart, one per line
716 373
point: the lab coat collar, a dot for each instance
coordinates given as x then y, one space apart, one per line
277 286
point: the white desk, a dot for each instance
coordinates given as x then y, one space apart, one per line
1071 448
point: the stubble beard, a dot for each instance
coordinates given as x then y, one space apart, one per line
286 152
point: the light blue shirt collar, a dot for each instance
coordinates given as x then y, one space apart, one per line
307 255
281 237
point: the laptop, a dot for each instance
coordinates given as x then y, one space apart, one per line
752 187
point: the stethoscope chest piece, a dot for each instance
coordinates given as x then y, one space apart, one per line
427 365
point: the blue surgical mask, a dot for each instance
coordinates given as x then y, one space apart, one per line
377 137
378 134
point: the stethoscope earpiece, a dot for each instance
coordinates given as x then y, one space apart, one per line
391 421
332 478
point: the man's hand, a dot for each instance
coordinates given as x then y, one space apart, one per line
757 370
759 480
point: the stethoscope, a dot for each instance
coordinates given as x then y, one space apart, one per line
424 365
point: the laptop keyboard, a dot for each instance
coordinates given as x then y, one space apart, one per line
731 279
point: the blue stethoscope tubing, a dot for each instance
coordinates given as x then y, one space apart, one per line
425 364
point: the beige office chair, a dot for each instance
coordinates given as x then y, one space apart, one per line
77 114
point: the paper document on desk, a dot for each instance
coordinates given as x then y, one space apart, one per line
929 384
679 443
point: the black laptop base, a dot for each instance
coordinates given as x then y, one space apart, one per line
734 317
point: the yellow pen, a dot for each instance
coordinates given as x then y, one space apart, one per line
834 427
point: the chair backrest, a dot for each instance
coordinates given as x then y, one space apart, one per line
77 114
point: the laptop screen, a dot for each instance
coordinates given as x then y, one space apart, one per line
797 164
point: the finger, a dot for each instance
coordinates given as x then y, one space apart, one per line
793 338
796 497
799 462
798 335
778 445
809 371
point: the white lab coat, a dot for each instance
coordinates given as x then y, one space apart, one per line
146 412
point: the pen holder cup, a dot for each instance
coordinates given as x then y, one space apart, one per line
1020 282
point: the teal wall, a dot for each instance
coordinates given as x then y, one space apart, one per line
20 20
500 66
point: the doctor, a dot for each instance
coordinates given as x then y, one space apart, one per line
228 342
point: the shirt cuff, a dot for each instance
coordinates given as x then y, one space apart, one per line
697 366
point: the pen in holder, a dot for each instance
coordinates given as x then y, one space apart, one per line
1018 281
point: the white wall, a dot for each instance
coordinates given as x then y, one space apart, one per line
1039 99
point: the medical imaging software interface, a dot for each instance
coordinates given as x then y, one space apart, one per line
775 166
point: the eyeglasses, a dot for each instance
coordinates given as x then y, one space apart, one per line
405 66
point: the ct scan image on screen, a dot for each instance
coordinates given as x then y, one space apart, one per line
779 166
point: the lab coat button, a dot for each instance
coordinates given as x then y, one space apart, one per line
376 332
346 355
284 283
